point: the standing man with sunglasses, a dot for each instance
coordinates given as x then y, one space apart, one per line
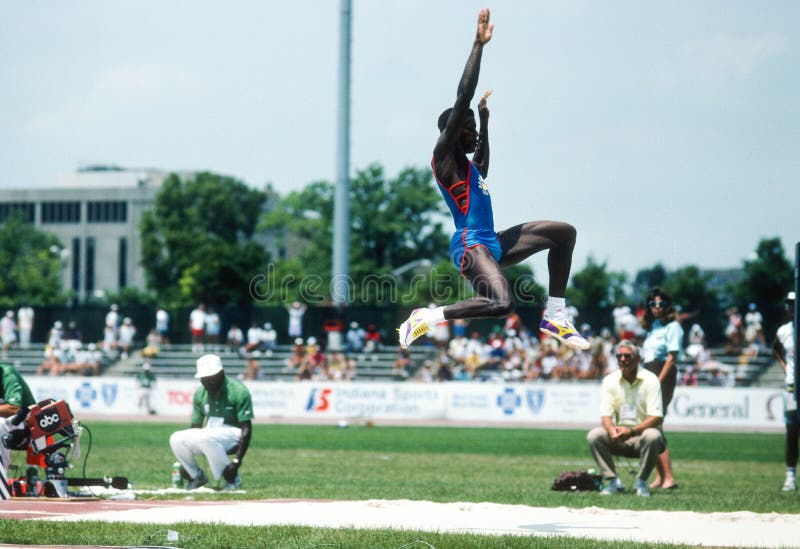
662 348
631 414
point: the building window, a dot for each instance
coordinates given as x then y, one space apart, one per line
90 253
76 265
61 212
23 209
107 211
123 262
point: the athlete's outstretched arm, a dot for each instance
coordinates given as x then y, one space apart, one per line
481 156
466 86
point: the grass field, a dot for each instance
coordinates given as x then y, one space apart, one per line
717 472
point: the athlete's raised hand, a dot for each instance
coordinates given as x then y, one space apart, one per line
483 109
485 28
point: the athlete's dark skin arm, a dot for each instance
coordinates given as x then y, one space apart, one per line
449 154
229 473
481 156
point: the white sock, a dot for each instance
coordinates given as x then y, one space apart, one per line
435 316
791 472
555 307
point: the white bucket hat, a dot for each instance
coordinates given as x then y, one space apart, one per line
208 365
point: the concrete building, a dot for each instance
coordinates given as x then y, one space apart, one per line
95 213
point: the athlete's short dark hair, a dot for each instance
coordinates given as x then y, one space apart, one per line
445 116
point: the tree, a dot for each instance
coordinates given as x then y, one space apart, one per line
30 261
392 223
594 290
768 278
689 288
199 241
646 279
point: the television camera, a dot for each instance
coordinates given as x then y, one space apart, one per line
49 429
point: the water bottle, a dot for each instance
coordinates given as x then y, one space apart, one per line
177 478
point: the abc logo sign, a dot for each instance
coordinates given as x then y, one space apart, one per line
49 422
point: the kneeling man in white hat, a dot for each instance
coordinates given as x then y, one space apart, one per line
222 414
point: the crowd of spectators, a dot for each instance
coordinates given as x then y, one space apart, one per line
509 352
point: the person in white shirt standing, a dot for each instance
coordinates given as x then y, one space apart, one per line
8 332
25 325
162 326
197 326
783 350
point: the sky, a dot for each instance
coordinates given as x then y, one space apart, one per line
664 131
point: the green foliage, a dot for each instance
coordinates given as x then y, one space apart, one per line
199 241
594 287
392 223
768 278
646 279
131 296
690 289
31 265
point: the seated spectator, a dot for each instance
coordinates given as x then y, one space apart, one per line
127 331
298 354
733 331
153 344
337 366
372 339
497 355
402 363
460 328
52 362
697 340
476 354
314 355
457 350
689 378
269 339
355 338
109 343
234 339
444 372
253 338
631 413
54 335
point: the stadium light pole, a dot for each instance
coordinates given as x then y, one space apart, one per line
341 208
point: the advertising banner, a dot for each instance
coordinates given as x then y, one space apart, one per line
529 403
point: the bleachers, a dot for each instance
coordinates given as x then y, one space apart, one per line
179 362
747 371
26 361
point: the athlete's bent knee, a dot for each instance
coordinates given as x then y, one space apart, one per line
503 308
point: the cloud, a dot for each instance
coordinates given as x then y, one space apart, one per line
733 55
119 90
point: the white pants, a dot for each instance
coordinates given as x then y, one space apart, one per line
212 442
5 428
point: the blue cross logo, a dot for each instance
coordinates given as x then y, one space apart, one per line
509 401
86 394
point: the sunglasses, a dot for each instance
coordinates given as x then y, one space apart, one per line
659 304
620 356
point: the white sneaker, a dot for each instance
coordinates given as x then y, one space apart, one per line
641 488
789 485
413 328
563 330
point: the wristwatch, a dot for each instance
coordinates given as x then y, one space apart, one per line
235 461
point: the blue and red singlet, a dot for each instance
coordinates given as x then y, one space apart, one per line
471 206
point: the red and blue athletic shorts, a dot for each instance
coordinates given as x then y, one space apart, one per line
466 239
